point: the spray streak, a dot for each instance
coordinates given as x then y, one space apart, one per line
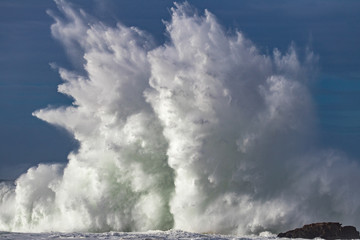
201 134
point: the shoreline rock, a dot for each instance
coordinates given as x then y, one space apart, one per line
325 230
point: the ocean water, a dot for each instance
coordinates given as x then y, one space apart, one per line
150 235
203 133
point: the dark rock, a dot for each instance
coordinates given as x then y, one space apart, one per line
326 230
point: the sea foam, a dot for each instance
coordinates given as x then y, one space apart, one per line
203 133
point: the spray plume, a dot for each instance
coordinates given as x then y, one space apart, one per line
203 133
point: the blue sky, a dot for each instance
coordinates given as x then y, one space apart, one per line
27 82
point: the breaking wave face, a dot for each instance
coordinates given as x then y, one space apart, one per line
203 133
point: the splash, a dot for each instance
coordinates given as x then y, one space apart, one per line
203 133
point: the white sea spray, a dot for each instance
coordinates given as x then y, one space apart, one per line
203 133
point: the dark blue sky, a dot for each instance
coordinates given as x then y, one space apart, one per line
27 82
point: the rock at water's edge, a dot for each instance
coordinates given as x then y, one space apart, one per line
325 230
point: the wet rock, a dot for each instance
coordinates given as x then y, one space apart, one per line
325 230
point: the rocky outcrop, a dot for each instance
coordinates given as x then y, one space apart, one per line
326 230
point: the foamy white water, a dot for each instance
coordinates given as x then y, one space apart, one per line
203 133
150 235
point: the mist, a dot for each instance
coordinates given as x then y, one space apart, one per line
202 133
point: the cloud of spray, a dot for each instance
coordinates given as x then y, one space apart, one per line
203 133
